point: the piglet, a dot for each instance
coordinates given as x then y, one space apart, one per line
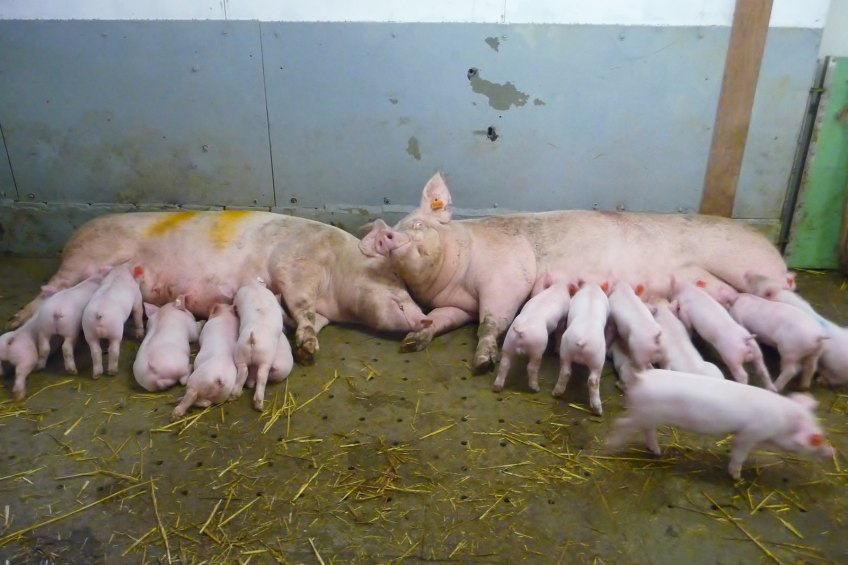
798 337
637 327
833 363
682 354
584 340
701 312
103 318
719 407
214 374
528 334
621 361
260 327
164 356
61 314
20 348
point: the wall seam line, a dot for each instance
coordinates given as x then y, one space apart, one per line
9 159
267 115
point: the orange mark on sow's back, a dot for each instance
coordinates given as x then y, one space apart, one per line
224 228
169 222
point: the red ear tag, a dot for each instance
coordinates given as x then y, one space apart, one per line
572 289
437 204
815 440
605 287
138 271
700 283
639 290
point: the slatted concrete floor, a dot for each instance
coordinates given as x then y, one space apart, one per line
372 456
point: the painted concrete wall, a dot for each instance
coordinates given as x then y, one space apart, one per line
835 39
336 111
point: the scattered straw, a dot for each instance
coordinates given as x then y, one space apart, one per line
6 539
30 397
306 484
138 541
159 520
101 472
440 430
21 474
744 531
315 549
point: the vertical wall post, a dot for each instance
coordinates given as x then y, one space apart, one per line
738 87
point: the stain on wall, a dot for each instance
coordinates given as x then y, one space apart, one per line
413 149
500 96
493 42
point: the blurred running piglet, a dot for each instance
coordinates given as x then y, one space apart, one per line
164 356
61 314
798 338
637 327
528 334
719 407
682 354
260 327
214 374
103 318
701 312
584 340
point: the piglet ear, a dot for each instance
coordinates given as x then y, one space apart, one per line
652 308
150 309
805 400
180 302
227 291
790 280
436 200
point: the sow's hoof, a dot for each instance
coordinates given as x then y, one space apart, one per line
307 345
416 341
485 358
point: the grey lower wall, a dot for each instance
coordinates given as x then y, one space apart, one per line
332 120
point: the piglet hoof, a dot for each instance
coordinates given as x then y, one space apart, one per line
497 387
597 410
20 394
259 404
176 415
72 371
557 392
416 341
534 387
139 334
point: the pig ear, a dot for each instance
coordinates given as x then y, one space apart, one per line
653 308
436 200
150 309
49 290
105 269
805 400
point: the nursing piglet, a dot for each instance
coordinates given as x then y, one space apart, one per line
719 407
637 327
584 340
282 365
700 311
682 354
833 363
20 348
61 314
164 356
260 327
103 318
621 361
214 374
798 338
528 334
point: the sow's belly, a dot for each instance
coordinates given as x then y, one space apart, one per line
202 255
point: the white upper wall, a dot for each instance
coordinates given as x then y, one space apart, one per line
785 13
835 39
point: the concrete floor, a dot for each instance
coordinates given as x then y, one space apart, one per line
396 458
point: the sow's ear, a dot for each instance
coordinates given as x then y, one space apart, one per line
436 200
368 245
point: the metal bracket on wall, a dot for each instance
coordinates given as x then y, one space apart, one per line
804 138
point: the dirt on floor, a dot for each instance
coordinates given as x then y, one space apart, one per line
373 456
